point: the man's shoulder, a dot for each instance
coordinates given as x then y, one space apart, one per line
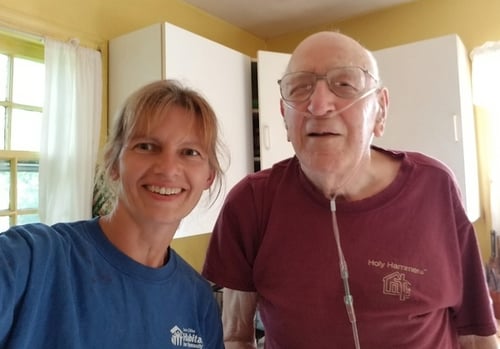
422 161
267 177
259 183
426 161
276 170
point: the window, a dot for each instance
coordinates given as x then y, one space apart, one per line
485 79
21 102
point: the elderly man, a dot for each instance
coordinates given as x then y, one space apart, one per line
347 245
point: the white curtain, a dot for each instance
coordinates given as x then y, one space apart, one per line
70 131
486 87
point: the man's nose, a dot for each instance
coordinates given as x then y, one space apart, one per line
323 100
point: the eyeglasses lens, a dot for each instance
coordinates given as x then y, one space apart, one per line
349 82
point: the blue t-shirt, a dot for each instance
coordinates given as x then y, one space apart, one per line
66 286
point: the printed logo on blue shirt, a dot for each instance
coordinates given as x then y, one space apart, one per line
186 338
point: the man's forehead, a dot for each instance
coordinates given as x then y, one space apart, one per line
328 50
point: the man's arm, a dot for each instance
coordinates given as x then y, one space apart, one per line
238 316
479 342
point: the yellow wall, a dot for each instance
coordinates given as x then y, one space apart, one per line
97 21
94 22
192 248
475 21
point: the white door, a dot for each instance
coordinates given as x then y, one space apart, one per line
223 76
430 107
135 59
273 141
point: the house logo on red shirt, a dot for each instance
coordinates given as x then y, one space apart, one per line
395 284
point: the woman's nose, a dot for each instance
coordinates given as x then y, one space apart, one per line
167 163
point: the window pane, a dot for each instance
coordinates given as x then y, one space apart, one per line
26 130
3 77
4 223
28 85
27 184
3 119
4 184
27 218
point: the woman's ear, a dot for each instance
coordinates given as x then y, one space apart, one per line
115 173
210 179
383 105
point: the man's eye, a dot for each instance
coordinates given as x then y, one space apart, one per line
300 89
345 85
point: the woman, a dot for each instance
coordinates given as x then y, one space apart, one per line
113 281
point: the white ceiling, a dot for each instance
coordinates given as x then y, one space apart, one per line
270 18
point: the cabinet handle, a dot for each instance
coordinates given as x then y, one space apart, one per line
267 137
455 128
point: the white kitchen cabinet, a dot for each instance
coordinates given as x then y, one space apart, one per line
272 133
430 107
219 73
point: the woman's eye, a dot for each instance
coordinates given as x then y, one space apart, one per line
144 146
191 152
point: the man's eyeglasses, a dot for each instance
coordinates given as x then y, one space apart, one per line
344 82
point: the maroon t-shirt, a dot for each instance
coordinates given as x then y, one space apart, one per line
415 272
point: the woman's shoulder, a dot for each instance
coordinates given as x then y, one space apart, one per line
42 236
188 273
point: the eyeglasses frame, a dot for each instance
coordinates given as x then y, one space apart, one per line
323 77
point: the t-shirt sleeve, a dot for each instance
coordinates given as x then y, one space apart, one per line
213 331
475 314
235 239
15 259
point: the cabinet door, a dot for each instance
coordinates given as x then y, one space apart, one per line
272 133
135 59
430 107
223 76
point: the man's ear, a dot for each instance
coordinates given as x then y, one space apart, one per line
383 105
282 110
